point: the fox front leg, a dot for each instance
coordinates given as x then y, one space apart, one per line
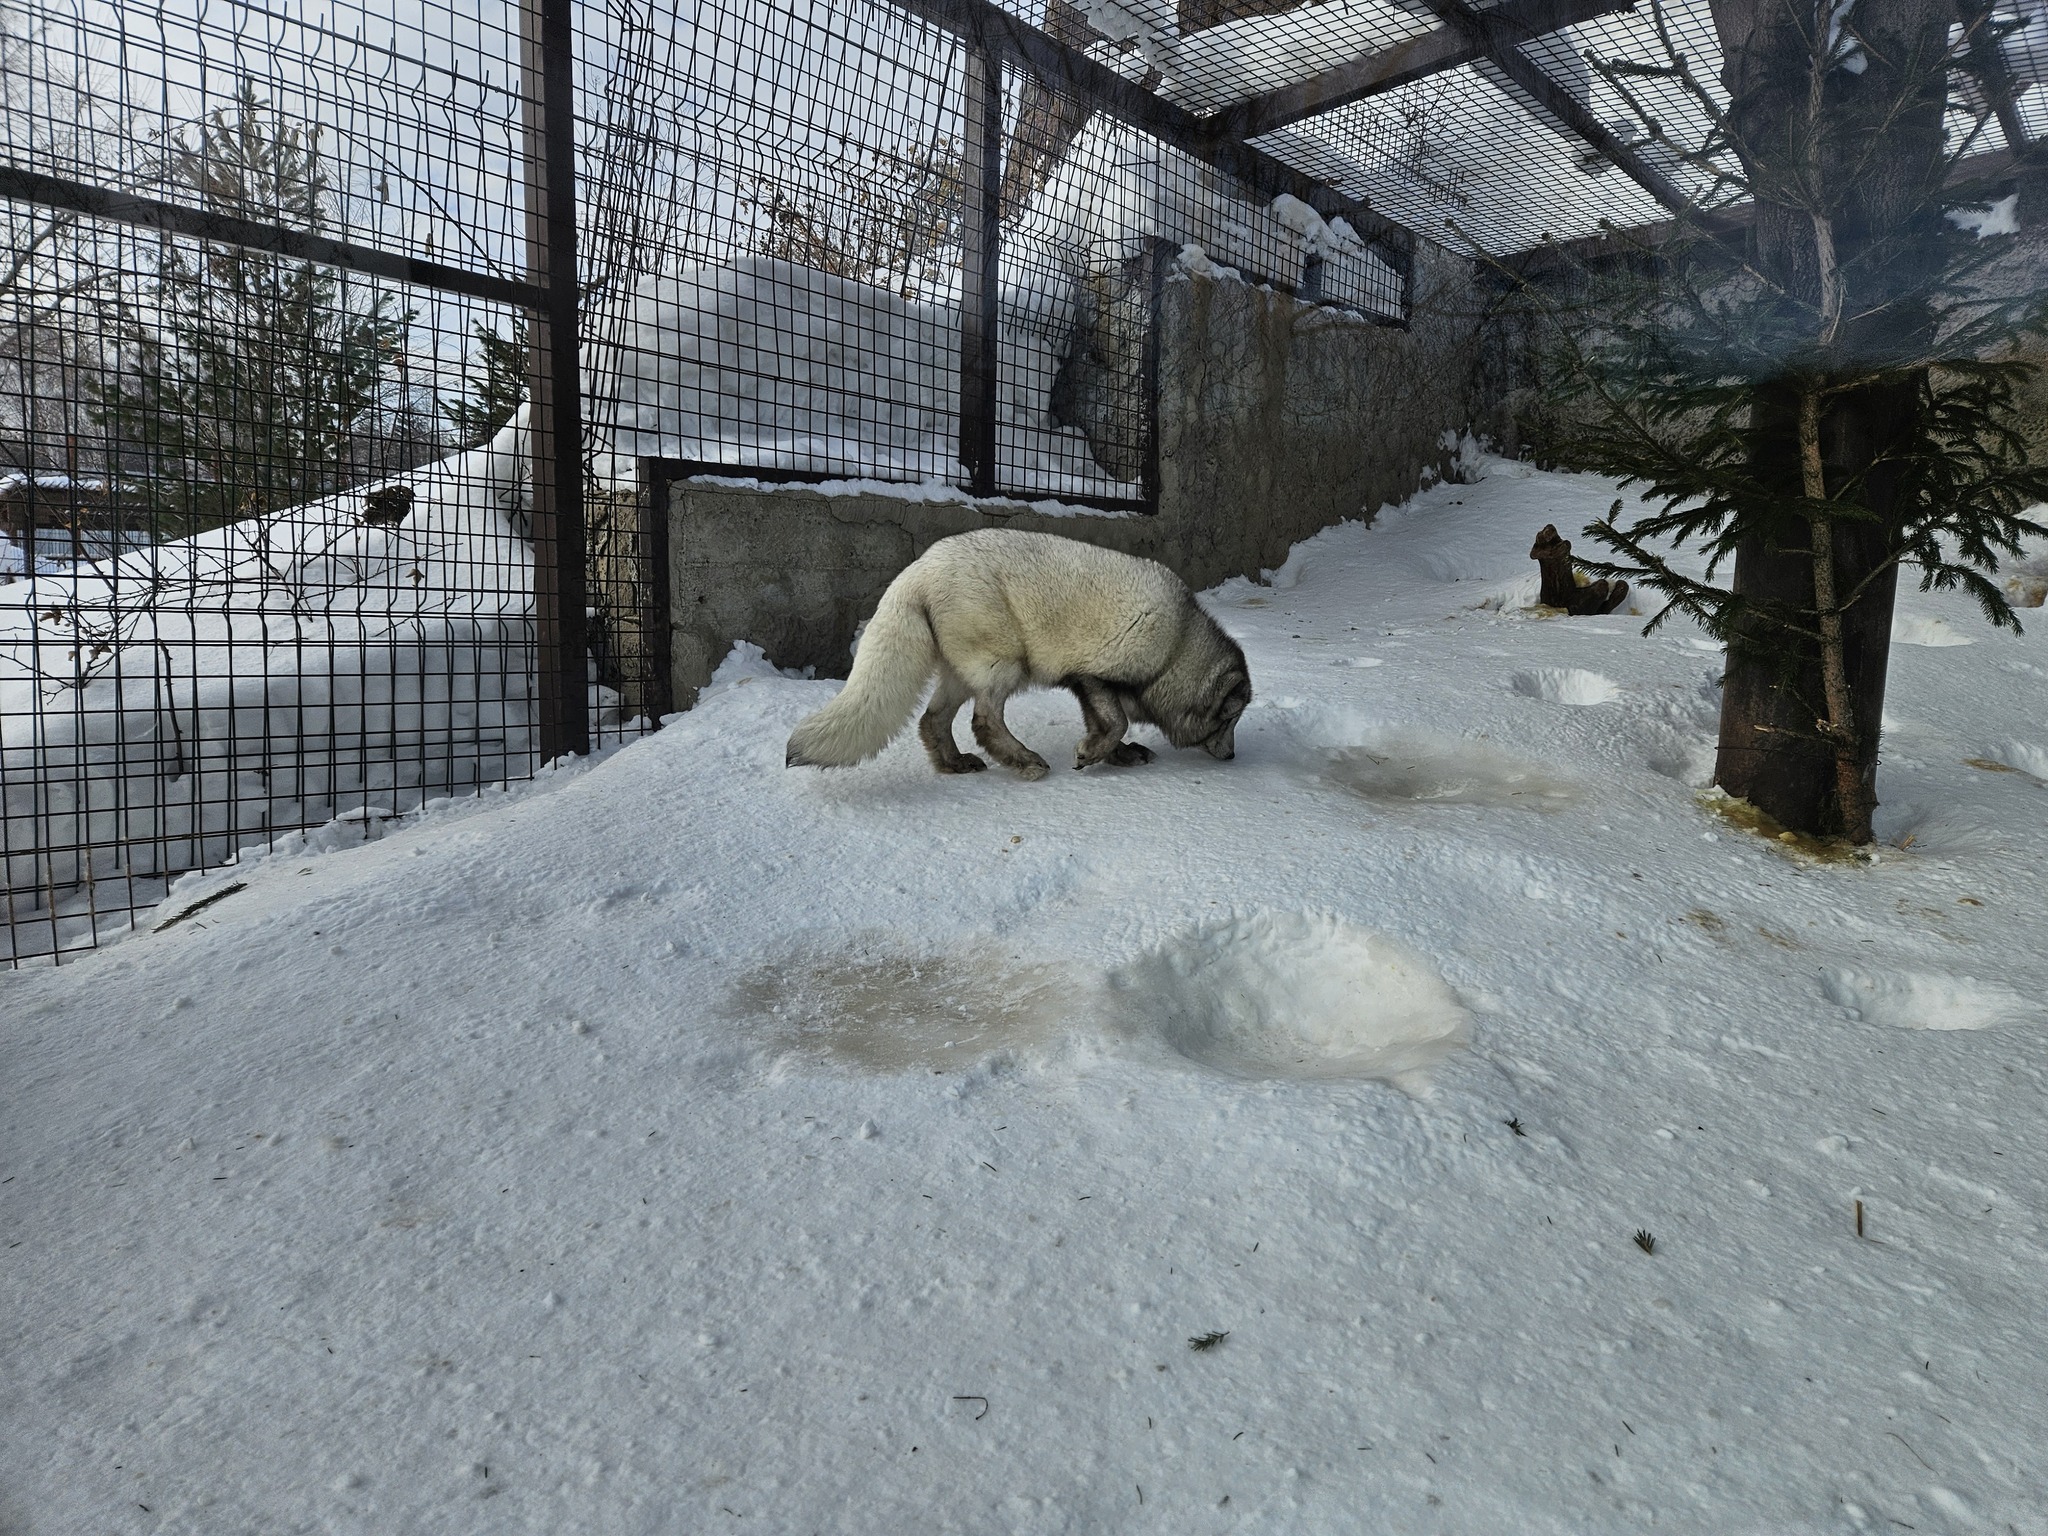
1104 716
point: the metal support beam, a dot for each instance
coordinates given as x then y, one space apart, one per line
1104 90
1559 104
554 379
1987 63
1415 58
225 229
981 236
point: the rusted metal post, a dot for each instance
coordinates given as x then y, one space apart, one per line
981 263
554 386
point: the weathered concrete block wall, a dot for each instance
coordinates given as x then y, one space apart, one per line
1276 418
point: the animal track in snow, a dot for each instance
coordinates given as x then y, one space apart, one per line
1565 685
1421 769
1293 995
1918 1000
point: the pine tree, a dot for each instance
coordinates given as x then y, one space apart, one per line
490 398
1816 402
248 382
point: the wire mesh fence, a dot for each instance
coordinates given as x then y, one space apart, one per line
267 467
330 354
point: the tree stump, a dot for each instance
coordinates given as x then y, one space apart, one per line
1561 588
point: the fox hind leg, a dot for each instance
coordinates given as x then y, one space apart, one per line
935 729
993 733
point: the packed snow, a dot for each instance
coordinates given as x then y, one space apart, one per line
683 1143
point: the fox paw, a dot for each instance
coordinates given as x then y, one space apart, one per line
965 762
1128 754
1033 768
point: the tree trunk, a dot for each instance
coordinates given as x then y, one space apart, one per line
1877 165
1772 753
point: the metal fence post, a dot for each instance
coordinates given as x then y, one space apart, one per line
981 218
657 601
554 387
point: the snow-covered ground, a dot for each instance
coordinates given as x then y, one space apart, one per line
681 1143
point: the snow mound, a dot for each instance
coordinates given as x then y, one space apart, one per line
1288 574
884 1010
1918 1000
746 662
1426 769
1516 596
1565 685
1919 630
1293 995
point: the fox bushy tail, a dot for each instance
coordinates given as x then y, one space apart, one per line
896 659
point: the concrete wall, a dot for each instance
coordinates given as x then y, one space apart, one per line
1276 418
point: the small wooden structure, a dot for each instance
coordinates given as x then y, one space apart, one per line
69 517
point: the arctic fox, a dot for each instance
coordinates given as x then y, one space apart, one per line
999 610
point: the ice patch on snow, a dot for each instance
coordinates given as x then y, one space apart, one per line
884 1010
1565 685
1918 629
1293 995
1918 1000
1407 767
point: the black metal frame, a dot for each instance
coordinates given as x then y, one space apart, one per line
1508 24
26 186
547 57
989 30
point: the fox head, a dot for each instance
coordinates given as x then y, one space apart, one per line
1198 700
1221 742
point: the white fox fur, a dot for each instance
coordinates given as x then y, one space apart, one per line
995 611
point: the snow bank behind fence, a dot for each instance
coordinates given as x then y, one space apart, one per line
766 365
166 709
